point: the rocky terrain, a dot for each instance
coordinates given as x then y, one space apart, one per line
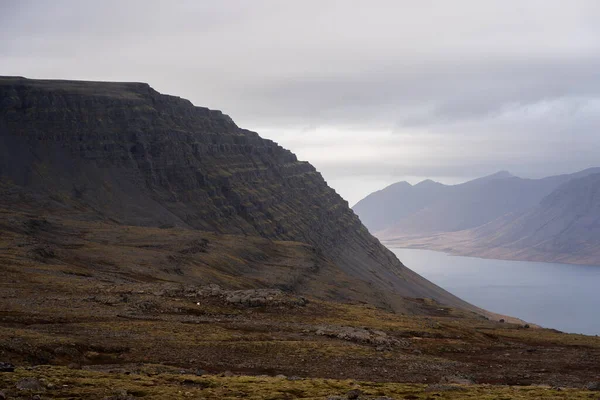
104 315
153 249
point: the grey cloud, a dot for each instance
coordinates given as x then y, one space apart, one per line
465 87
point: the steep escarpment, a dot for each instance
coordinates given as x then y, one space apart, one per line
124 153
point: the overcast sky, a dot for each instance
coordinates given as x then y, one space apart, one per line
370 92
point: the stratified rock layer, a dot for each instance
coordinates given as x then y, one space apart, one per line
125 153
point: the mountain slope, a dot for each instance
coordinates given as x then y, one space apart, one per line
563 227
388 206
441 208
126 154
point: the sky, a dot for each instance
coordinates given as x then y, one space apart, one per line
370 92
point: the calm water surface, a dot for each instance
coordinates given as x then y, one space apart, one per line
560 296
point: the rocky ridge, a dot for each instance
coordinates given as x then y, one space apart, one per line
124 153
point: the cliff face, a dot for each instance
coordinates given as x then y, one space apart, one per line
125 153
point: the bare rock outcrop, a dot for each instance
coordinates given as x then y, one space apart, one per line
253 297
361 335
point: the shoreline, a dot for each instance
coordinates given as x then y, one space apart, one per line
485 253
543 320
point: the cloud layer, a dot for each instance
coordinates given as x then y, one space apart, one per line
369 91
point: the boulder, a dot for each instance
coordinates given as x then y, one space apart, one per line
444 388
354 394
595 386
6 367
32 384
120 395
456 379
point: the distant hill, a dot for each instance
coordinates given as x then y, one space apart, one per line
429 207
384 208
563 227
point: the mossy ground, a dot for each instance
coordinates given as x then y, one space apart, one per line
125 299
152 382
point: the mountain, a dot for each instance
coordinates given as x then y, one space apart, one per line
87 158
433 208
564 227
150 248
388 206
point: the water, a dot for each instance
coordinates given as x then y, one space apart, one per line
560 296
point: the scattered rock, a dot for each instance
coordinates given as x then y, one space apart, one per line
444 388
457 380
36 397
30 384
67 351
121 395
2 395
253 297
210 290
594 386
361 335
280 376
354 394
74 366
145 306
294 378
6 367
200 372
264 297
227 374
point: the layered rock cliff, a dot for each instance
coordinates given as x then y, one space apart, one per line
123 152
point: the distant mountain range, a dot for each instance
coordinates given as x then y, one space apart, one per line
553 219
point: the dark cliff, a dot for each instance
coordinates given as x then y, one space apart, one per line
124 153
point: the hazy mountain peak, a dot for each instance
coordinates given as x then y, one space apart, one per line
497 175
431 207
401 184
428 183
501 174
